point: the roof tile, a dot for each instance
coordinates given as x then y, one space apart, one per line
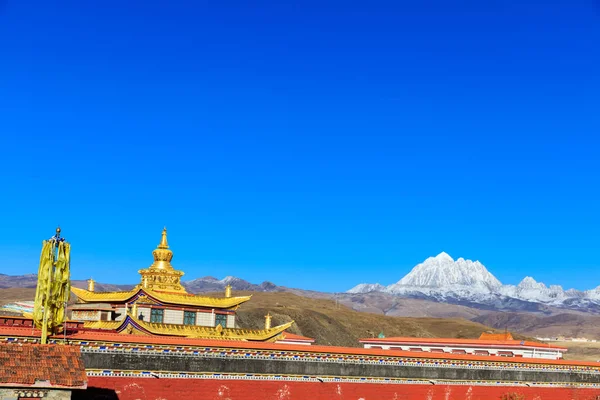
59 365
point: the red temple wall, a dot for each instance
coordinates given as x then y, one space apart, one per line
180 389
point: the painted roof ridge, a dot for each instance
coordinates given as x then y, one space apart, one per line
164 297
514 342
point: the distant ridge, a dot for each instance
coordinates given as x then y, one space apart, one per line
199 285
441 278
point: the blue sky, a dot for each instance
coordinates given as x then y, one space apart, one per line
312 144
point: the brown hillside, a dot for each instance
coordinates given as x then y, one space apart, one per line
387 304
566 324
329 323
333 324
581 351
16 294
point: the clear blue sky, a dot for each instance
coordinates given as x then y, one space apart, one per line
314 144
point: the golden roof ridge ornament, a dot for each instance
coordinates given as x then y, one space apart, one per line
163 241
161 275
162 255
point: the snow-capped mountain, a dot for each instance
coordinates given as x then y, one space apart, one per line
530 290
442 278
442 271
367 287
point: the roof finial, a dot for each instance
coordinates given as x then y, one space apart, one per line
56 236
163 241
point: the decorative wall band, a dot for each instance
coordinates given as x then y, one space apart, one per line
322 379
308 356
333 358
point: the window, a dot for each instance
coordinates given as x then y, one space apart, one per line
221 319
156 315
189 318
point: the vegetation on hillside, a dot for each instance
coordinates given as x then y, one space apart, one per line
333 324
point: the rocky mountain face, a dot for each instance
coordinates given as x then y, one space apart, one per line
18 281
440 287
211 284
469 283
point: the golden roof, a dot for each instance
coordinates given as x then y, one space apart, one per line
96 297
190 331
161 282
109 325
163 297
161 275
209 332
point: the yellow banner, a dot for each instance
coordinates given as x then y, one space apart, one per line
53 287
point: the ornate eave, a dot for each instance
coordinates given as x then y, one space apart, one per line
132 325
103 297
161 297
103 325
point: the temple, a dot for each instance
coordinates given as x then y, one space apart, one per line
160 306
159 341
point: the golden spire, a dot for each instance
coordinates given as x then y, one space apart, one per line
162 254
268 321
163 242
228 291
91 285
161 275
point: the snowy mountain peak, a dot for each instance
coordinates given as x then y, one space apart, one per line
529 283
442 271
367 287
443 256
464 281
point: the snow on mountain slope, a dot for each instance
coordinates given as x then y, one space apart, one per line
444 279
443 271
366 288
530 290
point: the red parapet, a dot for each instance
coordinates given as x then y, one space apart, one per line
16 321
123 388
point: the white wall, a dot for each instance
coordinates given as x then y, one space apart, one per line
525 352
173 317
205 319
85 315
145 312
231 321
120 312
292 342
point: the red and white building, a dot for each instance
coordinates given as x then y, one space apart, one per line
500 345
291 338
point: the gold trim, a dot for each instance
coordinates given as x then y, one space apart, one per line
109 325
170 298
94 297
201 301
208 332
